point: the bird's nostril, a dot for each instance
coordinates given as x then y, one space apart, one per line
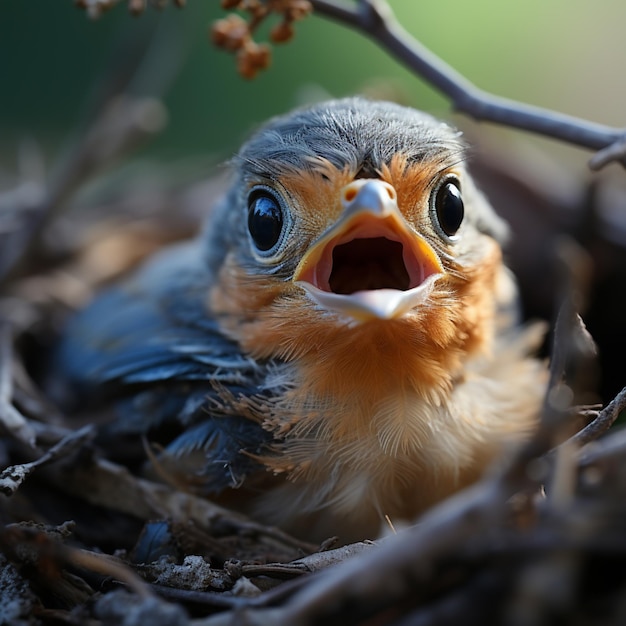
353 189
349 194
391 192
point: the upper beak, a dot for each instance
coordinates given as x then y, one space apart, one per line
370 264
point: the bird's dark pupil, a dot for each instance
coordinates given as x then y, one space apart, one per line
450 210
265 220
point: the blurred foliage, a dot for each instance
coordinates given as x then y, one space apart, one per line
561 54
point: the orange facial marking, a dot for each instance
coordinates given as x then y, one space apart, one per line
411 182
423 350
317 193
318 189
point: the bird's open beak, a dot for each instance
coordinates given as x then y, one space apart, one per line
370 264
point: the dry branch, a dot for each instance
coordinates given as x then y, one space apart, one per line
124 123
10 418
375 19
12 477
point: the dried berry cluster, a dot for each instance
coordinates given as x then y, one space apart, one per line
235 34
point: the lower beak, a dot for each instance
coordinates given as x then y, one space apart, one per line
370 264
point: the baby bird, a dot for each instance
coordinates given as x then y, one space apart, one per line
337 346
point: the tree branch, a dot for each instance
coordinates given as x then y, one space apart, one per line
10 418
375 19
603 422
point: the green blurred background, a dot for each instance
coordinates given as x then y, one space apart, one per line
563 54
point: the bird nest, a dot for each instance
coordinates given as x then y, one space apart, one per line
540 539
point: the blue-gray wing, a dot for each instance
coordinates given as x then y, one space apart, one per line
149 351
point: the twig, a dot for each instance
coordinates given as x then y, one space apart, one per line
608 449
311 563
615 151
218 599
34 545
108 566
375 19
605 419
573 348
276 534
108 485
10 417
12 477
95 8
105 484
119 118
123 124
375 574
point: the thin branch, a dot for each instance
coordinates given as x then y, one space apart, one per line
615 151
12 477
123 124
12 420
95 8
112 486
573 348
107 565
271 597
606 418
375 19
37 546
609 449
119 118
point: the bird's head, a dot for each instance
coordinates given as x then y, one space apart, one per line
353 234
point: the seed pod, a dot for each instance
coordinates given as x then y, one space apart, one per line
245 67
230 33
260 55
298 9
282 32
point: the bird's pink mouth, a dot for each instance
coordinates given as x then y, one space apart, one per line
358 262
370 264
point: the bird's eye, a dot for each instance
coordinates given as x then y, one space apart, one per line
447 207
265 218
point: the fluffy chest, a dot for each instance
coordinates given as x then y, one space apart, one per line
391 450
